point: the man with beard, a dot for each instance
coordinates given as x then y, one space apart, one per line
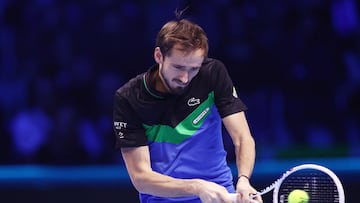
168 124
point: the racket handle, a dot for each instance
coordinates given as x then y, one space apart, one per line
233 197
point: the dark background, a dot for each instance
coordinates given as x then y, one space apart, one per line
295 63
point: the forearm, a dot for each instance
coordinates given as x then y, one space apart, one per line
245 153
161 185
145 180
245 156
244 143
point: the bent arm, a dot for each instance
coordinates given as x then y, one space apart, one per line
145 180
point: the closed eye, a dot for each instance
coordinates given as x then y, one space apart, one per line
184 68
195 69
179 67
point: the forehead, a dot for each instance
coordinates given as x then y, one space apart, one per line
189 59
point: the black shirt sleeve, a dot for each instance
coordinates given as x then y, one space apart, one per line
226 97
127 126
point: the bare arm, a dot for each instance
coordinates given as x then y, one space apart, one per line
147 181
237 126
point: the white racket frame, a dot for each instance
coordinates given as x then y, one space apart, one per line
276 185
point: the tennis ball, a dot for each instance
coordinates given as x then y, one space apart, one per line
298 196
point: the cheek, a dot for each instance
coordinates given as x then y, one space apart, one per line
193 74
167 73
164 70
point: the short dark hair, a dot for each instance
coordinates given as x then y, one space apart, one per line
185 33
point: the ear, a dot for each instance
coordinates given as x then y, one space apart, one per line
158 55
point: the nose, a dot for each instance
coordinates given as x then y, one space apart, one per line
184 77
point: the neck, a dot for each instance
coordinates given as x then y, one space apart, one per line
160 84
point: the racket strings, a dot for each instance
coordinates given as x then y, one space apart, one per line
319 186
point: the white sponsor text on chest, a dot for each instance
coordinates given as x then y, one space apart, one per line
201 115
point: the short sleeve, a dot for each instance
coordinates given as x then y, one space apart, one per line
226 97
127 126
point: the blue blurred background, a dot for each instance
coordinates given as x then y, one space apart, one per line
295 63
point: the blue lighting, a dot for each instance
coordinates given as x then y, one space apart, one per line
117 174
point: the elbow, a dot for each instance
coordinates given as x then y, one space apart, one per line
138 183
248 141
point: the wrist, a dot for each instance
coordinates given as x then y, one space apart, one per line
196 185
243 176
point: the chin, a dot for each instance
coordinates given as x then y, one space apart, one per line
178 90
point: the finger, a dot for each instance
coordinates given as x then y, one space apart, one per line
257 198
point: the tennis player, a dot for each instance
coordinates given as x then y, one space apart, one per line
168 124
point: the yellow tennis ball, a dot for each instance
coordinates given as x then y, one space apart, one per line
298 196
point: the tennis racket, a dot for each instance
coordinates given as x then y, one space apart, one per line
319 182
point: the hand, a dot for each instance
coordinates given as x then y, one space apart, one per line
244 189
210 192
234 198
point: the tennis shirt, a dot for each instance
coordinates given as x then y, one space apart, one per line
183 132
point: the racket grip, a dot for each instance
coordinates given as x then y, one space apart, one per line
233 197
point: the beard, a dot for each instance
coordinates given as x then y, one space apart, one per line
178 90
173 90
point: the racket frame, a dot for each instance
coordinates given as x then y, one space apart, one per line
275 186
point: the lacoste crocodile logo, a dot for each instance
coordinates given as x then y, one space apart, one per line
193 101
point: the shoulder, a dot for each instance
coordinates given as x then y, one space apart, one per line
131 87
213 63
213 68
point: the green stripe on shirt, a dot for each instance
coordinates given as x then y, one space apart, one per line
185 129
